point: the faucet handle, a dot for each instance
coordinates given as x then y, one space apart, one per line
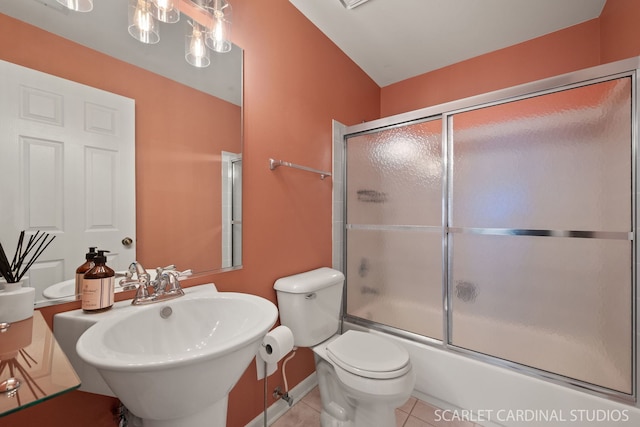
142 294
160 270
185 274
173 283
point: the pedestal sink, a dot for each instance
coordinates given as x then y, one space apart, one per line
174 363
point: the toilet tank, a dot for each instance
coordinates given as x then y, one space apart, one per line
309 304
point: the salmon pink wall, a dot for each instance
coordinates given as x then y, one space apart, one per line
560 52
296 83
620 30
178 160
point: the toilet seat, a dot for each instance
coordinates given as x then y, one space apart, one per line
368 355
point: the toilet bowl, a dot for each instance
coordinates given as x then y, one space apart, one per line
362 377
362 387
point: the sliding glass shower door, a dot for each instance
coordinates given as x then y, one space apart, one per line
394 227
540 237
504 230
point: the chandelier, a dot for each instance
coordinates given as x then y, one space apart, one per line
209 23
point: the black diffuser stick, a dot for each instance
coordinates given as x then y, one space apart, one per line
25 255
5 267
23 252
16 255
43 245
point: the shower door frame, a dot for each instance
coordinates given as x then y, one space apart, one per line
625 68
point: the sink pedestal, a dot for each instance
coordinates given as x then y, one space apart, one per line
214 415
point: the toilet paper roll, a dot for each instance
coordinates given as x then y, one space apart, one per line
261 365
276 344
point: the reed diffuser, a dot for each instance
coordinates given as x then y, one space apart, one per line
25 255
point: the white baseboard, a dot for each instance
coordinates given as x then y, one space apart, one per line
280 407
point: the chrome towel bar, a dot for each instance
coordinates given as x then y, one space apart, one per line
275 163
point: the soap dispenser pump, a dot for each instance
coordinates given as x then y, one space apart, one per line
88 265
98 285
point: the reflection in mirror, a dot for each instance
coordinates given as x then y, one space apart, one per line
187 133
231 209
72 148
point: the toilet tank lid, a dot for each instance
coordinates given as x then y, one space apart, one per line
309 281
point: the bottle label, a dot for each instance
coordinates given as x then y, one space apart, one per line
97 293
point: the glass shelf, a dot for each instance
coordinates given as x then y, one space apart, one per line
30 354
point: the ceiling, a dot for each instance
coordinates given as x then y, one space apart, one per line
392 40
105 29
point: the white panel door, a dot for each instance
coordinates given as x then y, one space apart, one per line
67 167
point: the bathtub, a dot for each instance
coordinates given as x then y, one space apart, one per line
469 389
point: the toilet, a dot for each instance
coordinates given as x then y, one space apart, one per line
362 377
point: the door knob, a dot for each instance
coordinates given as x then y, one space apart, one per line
127 241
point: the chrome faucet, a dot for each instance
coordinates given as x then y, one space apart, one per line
135 269
164 286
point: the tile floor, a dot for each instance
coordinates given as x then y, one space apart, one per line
414 413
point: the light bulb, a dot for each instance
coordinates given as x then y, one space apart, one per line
165 10
196 52
143 20
142 26
218 37
218 28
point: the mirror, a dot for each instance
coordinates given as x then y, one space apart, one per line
188 129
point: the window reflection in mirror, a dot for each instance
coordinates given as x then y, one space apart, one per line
231 209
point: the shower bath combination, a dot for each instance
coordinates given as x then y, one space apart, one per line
501 227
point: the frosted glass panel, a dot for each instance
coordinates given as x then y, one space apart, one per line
538 219
395 176
560 161
395 277
394 274
560 305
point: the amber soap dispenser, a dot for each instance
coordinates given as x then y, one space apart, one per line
88 265
98 285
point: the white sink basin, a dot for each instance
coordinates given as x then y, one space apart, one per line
58 290
177 369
